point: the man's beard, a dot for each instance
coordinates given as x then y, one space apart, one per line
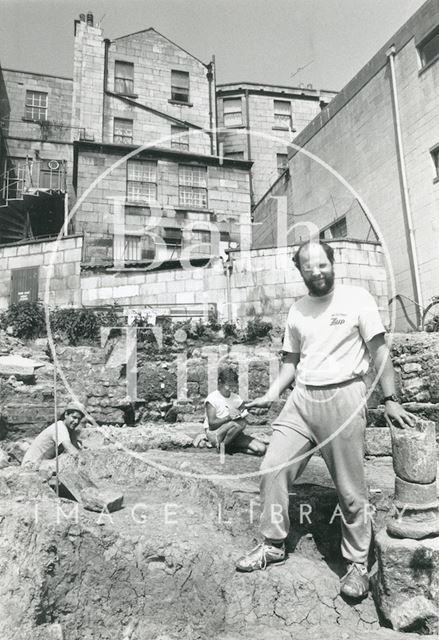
322 286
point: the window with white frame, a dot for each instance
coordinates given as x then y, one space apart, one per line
141 181
337 229
122 131
232 112
282 162
429 48
36 105
127 248
192 181
124 77
282 114
180 137
180 86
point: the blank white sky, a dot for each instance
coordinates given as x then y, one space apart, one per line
253 40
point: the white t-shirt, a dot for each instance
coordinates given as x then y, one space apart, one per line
330 333
223 406
44 445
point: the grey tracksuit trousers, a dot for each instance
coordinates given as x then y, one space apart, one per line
313 415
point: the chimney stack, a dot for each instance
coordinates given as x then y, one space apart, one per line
89 19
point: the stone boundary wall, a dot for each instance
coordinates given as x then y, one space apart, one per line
175 381
265 281
65 275
262 282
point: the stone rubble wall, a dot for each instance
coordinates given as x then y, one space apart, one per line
174 382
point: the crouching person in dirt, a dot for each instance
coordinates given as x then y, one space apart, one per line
63 432
225 418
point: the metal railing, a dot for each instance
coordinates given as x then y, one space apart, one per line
30 178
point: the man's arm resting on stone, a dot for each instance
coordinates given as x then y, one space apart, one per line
394 413
287 373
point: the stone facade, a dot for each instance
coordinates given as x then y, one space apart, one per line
354 137
40 139
39 157
127 98
54 124
154 57
270 131
106 210
58 264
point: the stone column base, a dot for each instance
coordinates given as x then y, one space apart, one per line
406 584
415 524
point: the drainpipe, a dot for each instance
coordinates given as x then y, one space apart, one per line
408 220
228 268
215 103
210 80
105 87
66 214
249 150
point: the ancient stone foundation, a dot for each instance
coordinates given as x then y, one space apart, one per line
407 580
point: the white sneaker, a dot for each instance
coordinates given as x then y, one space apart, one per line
260 557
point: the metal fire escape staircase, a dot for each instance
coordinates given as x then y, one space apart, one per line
30 197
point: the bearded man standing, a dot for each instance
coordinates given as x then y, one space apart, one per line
329 338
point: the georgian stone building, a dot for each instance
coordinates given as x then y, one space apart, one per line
257 121
147 108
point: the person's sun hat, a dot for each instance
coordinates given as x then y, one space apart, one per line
75 406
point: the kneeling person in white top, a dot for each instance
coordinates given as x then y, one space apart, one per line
62 432
225 417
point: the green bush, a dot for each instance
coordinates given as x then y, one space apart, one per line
27 319
75 326
257 328
81 325
230 330
212 319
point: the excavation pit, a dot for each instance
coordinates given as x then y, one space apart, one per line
163 566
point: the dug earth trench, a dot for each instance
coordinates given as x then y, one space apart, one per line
163 566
